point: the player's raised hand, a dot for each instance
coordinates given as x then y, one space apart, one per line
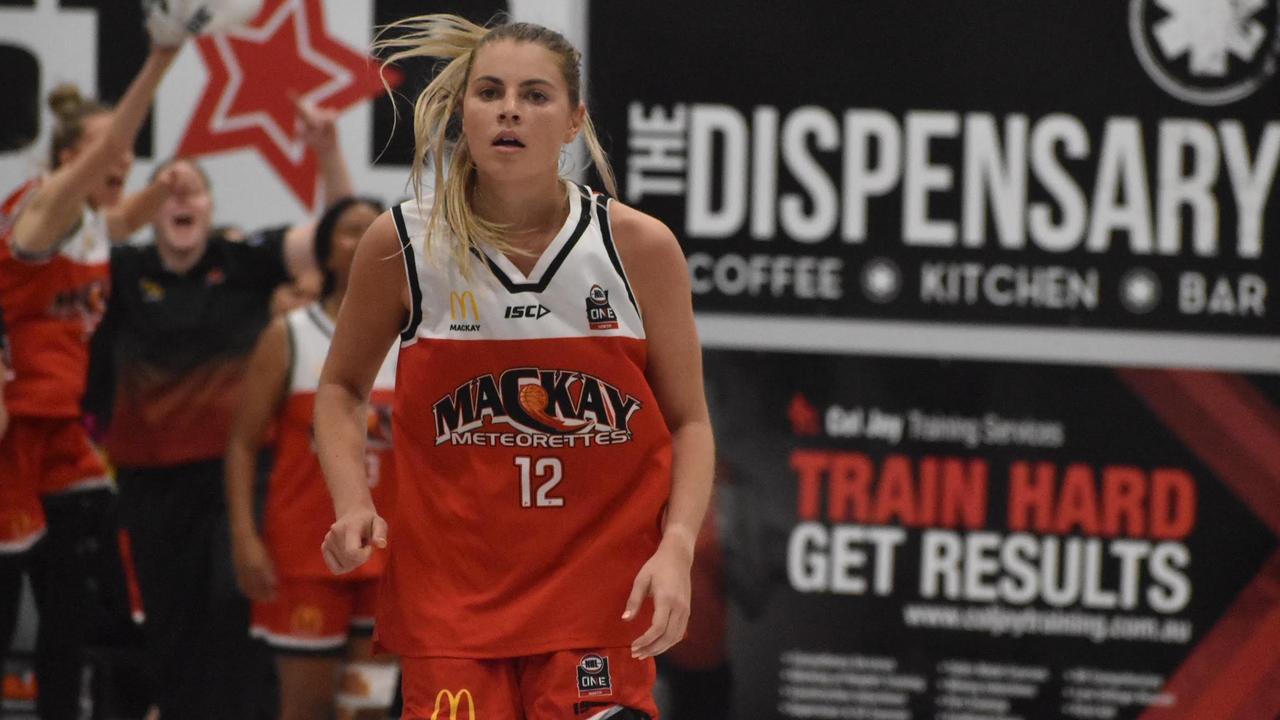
352 539
317 126
180 178
665 578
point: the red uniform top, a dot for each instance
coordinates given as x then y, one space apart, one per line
52 303
299 510
534 461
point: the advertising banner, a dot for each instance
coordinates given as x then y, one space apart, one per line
986 288
1106 177
923 539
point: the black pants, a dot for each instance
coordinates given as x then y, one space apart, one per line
697 694
78 586
202 662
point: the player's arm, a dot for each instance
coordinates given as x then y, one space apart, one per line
319 130
372 315
4 374
660 279
265 383
299 250
55 208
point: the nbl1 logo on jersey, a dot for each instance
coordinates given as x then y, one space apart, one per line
533 407
600 315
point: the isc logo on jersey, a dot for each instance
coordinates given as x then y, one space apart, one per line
545 408
531 312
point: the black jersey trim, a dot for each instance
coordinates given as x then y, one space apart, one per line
602 213
584 220
314 315
410 330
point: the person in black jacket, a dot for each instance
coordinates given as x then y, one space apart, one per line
183 317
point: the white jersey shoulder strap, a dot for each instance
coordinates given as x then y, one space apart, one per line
577 287
310 335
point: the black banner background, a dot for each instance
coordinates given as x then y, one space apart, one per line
997 58
663 73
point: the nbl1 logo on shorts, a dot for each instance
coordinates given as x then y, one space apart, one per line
600 315
593 676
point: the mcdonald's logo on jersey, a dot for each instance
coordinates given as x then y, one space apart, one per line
463 313
448 699
538 404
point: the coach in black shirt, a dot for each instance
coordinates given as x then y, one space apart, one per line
183 315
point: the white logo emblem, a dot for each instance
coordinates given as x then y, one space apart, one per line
1207 52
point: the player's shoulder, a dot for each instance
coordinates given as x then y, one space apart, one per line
647 246
635 227
382 230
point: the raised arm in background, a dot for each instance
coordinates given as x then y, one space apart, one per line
56 206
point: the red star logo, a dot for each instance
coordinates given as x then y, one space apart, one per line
803 416
253 73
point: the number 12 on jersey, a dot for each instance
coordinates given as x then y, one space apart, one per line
548 472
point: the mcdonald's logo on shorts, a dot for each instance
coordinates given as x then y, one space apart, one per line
307 620
463 312
19 525
446 698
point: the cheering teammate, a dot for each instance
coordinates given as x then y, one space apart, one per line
55 236
301 611
551 432
177 335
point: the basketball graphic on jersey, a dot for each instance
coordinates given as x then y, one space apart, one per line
534 400
378 426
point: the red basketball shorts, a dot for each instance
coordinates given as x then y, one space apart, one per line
315 615
41 456
577 684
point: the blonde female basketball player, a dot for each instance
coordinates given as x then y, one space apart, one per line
551 433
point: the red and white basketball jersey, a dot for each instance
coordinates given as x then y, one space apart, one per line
534 461
52 304
299 510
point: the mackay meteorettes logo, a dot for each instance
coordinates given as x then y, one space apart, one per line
535 407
